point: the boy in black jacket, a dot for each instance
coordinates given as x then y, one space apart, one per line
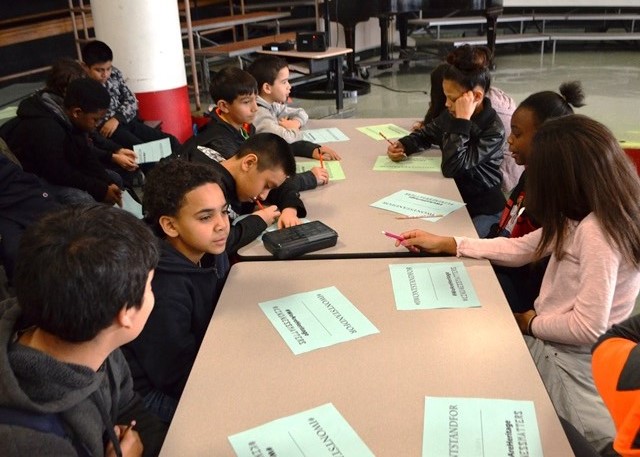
185 205
52 142
23 201
83 285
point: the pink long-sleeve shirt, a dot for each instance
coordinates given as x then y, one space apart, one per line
583 294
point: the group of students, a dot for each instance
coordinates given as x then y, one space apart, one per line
565 246
567 269
188 205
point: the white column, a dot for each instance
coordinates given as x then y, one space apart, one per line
146 41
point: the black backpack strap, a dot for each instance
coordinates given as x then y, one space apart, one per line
41 422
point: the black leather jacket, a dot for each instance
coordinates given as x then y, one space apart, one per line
471 154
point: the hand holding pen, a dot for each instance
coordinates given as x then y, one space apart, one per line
399 241
269 214
130 442
395 151
428 242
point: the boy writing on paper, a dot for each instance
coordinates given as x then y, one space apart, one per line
258 173
187 209
83 286
234 93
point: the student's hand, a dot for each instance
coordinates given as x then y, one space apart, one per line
130 443
114 195
291 124
269 214
396 152
321 174
417 125
288 218
125 158
523 320
109 127
428 242
327 154
465 105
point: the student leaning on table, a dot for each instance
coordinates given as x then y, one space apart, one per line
585 194
470 135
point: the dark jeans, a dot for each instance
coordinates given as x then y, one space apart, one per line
72 195
483 223
137 132
10 235
161 405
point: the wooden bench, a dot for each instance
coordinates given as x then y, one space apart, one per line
580 37
273 5
202 27
439 22
586 17
500 39
24 29
38 30
286 22
237 49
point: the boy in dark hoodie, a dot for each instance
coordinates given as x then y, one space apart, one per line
186 207
52 142
83 285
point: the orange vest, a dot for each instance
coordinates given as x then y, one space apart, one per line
609 360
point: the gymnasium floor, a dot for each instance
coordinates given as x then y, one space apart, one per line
610 78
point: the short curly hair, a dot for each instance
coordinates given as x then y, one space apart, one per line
166 186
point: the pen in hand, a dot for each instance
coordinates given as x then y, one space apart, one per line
401 239
387 139
259 203
391 143
128 427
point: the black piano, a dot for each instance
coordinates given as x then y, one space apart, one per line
349 12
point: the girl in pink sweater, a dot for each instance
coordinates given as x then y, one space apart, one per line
585 194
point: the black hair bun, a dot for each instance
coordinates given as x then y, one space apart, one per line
470 58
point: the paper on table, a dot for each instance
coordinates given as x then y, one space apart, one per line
432 285
326 135
334 168
316 319
412 163
153 151
411 203
317 432
469 427
130 205
388 130
8 112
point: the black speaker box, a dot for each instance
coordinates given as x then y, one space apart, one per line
311 42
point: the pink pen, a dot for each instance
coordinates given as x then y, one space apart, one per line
401 239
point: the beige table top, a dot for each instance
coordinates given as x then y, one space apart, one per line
245 375
345 205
